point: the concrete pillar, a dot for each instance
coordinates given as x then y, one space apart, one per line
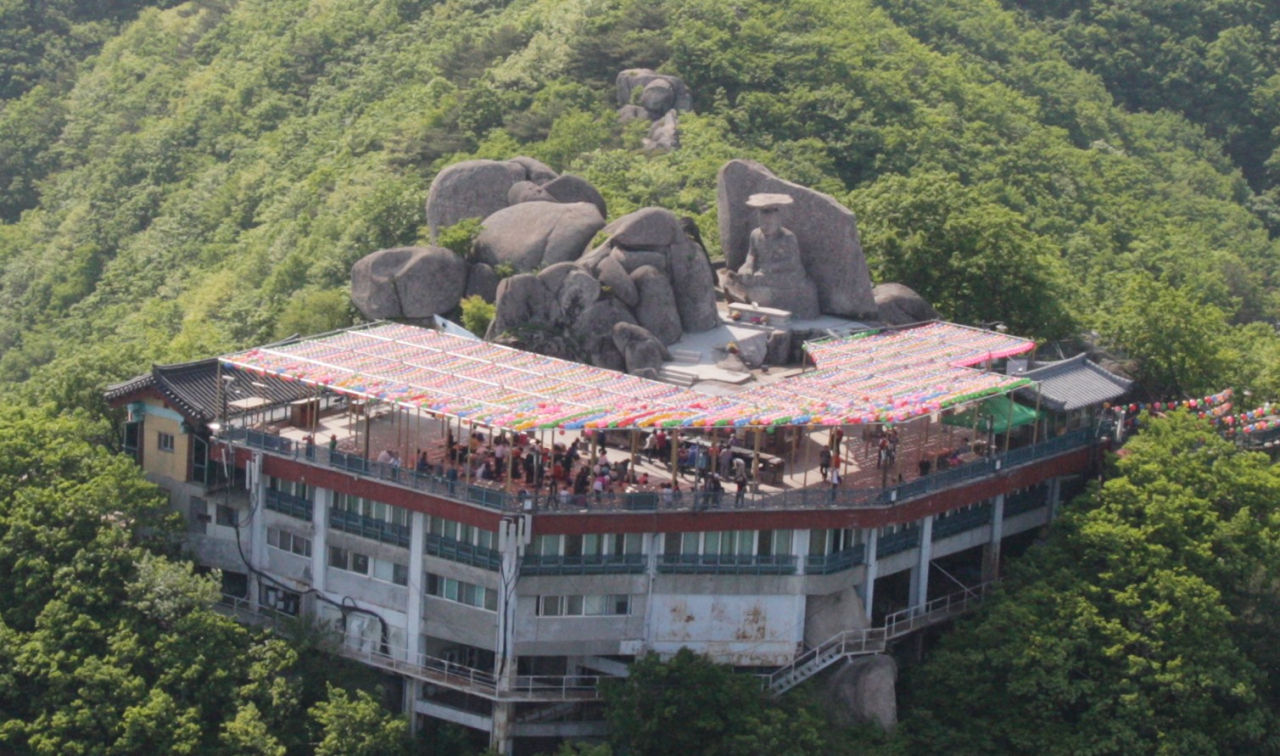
991 552
1055 497
320 538
800 548
920 573
257 530
869 584
413 610
501 740
412 692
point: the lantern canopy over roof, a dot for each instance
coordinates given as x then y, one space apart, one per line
868 377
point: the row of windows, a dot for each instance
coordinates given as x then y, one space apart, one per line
375 510
588 545
291 487
730 543
462 533
363 564
584 606
286 541
462 593
833 541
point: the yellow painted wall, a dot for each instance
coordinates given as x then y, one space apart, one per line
169 464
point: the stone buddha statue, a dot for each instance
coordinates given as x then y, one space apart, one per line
773 273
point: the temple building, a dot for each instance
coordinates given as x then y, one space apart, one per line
423 494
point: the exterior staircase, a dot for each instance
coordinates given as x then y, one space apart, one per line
670 374
873 640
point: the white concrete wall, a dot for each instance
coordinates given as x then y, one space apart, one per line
739 630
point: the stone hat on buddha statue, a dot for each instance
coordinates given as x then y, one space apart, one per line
769 203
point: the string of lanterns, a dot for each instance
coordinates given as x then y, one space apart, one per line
1215 408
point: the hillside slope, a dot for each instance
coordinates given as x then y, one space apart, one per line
219 166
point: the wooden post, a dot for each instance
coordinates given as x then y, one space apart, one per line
368 428
674 440
755 461
470 461
804 479
631 468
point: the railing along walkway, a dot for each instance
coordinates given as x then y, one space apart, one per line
873 640
431 669
497 498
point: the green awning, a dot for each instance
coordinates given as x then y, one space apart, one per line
994 415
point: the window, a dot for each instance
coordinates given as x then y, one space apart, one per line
584 606
350 561
279 599
198 516
164 442
291 487
453 530
227 516
391 572
462 593
286 541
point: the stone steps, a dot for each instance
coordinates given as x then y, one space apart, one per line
678 377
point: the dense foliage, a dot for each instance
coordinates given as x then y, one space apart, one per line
207 179
1149 622
108 640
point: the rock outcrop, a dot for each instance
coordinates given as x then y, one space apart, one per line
826 231
657 99
656 310
523 301
900 305
865 689
570 188
533 234
408 282
482 281
640 349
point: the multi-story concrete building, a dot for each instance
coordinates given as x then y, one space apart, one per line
500 606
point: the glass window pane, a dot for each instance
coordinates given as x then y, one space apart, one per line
671 543
490 599
451 589
689 543
573 606
746 539
592 545
273 537
633 543
337 558
360 563
818 541
711 543
781 542
595 606
400 574
383 570
621 605
573 545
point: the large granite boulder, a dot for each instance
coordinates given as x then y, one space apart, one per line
657 97
664 133
657 310
522 300
827 233
553 275
628 113
482 281
900 305
527 191
694 285
593 329
577 292
640 78
534 170
866 689
614 276
408 282
630 259
532 234
647 228
470 189
571 188
640 349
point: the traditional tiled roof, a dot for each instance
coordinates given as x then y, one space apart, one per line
1074 383
192 387
878 376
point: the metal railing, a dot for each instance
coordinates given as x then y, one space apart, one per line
895 543
1025 501
820 564
559 688
905 621
594 564
495 498
960 521
734 564
464 553
369 527
288 504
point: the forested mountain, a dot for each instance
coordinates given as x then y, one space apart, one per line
208 178
178 180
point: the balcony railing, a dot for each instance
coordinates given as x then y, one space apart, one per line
284 503
895 543
596 564
732 564
960 522
369 527
825 564
806 498
465 553
1025 501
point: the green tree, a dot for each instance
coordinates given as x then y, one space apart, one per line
477 314
357 726
1143 625
1176 339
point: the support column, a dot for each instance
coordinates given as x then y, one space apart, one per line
413 610
257 531
869 582
1055 497
800 548
920 573
501 740
320 538
991 552
412 692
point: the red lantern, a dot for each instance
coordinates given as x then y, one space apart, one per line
1192 404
